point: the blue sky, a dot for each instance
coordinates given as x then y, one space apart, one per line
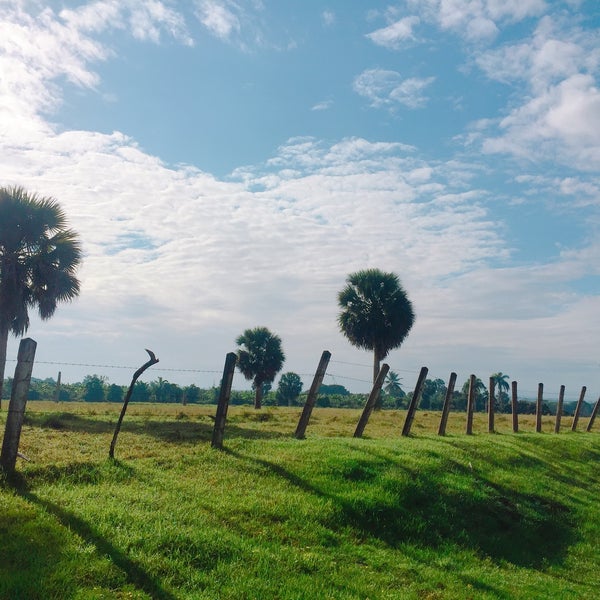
227 163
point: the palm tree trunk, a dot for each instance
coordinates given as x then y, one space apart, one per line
3 345
258 397
376 365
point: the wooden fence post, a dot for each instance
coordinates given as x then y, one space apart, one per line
470 404
559 409
312 395
369 405
57 390
593 416
491 406
578 409
414 402
18 402
538 408
447 401
223 404
515 407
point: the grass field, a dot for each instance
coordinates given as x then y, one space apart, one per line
485 516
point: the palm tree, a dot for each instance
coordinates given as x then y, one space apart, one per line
376 313
39 257
501 381
480 393
259 358
392 385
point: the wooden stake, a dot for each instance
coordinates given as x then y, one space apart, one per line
370 404
470 404
593 416
18 402
515 407
312 395
538 408
491 407
223 404
414 402
447 402
559 409
153 360
578 409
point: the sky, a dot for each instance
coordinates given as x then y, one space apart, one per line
227 164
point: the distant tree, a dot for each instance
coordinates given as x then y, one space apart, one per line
39 257
141 392
160 389
114 393
502 384
93 388
192 394
333 389
433 394
260 358
392 385
289 388
480 394
376 313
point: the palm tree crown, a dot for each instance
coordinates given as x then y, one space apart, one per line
39 257
376 313
259 358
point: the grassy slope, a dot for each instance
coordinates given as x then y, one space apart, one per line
487 516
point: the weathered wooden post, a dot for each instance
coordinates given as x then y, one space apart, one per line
538 408
470 404
447 402
370 404
18 402
559 408
515 407
578 409
57 390
414 402
312 395
223 404
491 407
593 416
152 361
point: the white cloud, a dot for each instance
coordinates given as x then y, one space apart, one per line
219 17
323 105
328 17
384 88
396 34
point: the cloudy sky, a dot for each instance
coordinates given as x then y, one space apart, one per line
228 162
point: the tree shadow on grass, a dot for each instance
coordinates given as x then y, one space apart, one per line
135 574
175 431
468 511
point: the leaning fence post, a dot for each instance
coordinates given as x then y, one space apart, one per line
538 408
578 409
447 401
593 415
312 395
223 404
470 404
18 402
414 402
368 409
515 407
491 406
57 390
559 408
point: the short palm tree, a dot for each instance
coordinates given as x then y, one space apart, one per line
39 257
376 313
392 385
259 358
501 382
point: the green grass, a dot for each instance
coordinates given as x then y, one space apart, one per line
483 516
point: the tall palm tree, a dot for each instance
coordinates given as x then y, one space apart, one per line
376 313
259 358
39 257
501 381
